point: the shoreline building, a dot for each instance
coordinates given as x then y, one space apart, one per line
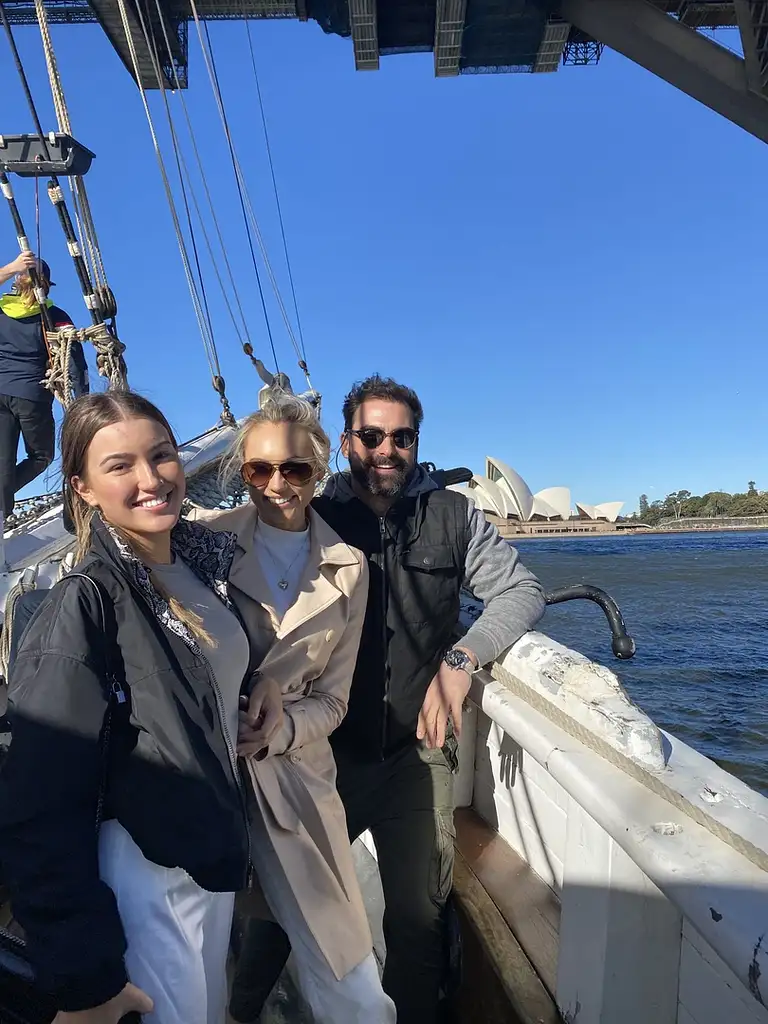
509 503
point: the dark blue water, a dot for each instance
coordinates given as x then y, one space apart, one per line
697 605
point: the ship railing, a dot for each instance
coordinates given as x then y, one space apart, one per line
658 857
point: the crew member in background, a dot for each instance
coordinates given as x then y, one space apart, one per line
26 407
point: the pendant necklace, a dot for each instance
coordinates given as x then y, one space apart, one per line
282 573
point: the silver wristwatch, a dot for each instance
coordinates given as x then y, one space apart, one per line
459 659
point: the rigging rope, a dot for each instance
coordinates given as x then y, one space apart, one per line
253 218
210 63
208 341
239 181
83 214
5 184
268 145
54 189
217 380
110 359
183 172
209 198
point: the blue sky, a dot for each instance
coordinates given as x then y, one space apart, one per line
569 268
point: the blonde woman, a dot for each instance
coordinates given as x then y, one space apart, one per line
302 594
124 700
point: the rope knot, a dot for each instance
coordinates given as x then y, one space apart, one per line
109 359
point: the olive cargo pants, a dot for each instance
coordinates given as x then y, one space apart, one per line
407 803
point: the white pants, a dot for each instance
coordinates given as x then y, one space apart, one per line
358 997
177 933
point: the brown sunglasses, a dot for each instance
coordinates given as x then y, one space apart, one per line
258 474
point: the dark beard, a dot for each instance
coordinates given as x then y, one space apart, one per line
391 486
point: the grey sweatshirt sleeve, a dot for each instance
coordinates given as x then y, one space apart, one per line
513 597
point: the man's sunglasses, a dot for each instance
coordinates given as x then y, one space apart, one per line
374 437
258 474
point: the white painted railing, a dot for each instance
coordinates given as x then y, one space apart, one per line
658 856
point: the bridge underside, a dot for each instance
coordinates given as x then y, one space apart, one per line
479 37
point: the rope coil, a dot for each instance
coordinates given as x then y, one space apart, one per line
109 359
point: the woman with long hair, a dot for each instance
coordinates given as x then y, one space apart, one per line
302 594
123 826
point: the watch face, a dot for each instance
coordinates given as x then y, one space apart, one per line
456 659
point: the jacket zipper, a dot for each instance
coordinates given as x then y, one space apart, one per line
385 712
236 773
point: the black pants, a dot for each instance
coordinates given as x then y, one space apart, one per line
33 421
407 803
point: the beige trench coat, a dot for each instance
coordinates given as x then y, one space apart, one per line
311 655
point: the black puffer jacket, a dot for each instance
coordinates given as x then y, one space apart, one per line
173 780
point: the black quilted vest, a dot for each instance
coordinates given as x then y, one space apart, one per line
416 556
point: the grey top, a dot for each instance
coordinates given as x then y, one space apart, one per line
493 573
283 555
230 655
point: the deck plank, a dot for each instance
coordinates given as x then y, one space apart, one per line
526 1000
528 905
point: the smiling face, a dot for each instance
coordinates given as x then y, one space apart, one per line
134 476
383 472
281 502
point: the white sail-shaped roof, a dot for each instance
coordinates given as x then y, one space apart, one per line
610 510
492 498
541 508
513 485
471 493
556 499
588 511
504 493
607 510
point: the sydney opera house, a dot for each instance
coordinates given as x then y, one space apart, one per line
507 499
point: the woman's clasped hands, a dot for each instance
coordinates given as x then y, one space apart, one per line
261 717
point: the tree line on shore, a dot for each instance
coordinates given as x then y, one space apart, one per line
683 505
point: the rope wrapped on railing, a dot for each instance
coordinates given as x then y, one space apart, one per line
109 359
26 582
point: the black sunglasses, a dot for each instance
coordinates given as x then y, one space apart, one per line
374 437
258 474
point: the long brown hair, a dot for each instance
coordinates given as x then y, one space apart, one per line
84 418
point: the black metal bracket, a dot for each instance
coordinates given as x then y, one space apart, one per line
31 157
622 644
447 477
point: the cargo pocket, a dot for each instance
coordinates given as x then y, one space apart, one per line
442 857
451 750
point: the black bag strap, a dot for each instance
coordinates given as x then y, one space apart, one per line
114 692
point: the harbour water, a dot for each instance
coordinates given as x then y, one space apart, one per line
697 605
